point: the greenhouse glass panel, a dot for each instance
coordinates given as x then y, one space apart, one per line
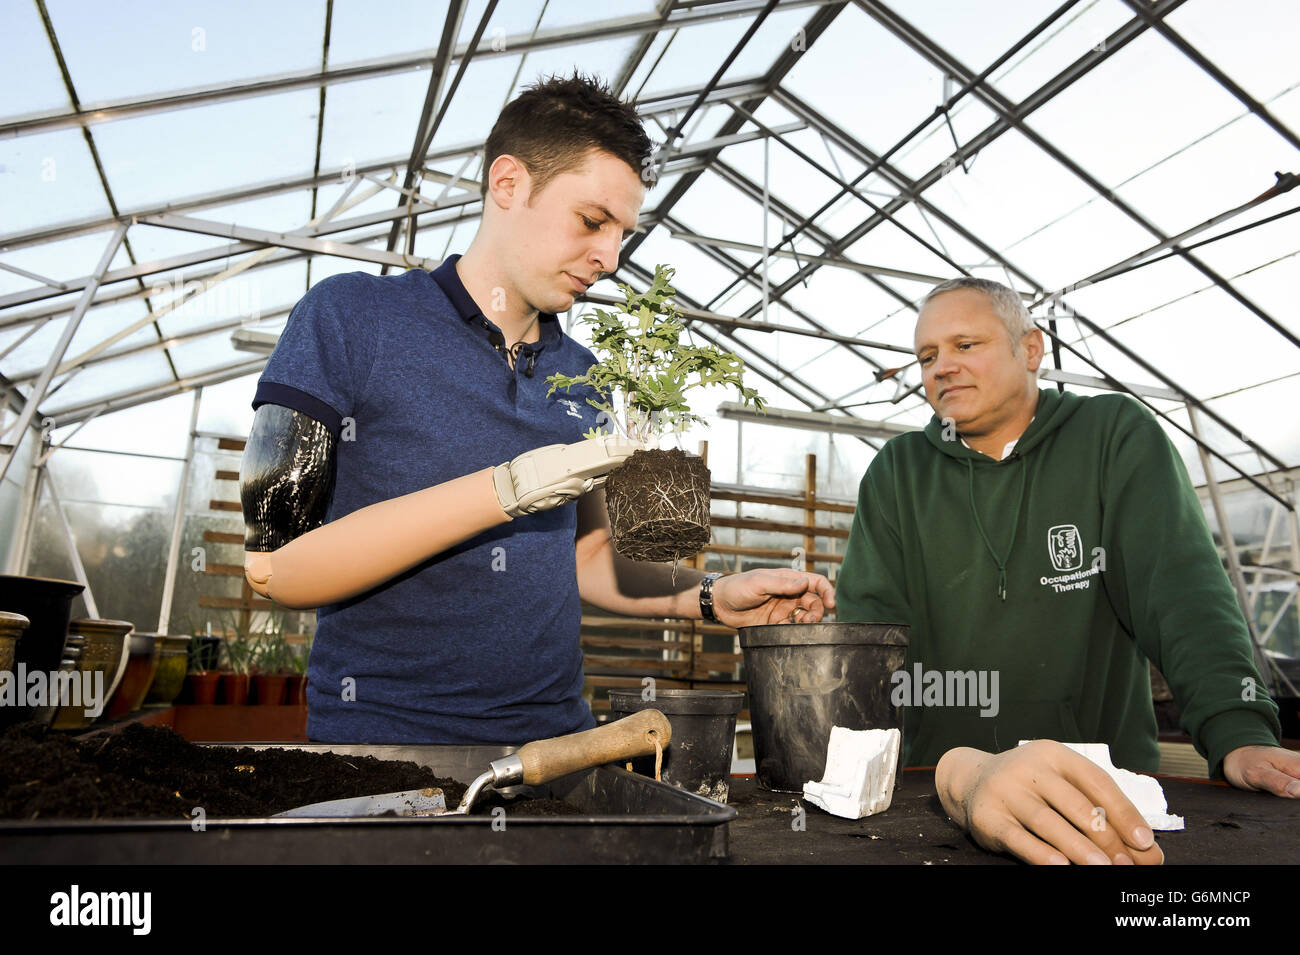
208 147
183 45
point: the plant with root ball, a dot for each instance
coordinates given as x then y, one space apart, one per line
658 500
645 369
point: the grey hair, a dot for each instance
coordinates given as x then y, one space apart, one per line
1006 302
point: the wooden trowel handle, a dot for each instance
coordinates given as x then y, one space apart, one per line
627 738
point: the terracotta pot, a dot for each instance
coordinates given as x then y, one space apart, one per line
295 689
202 686
141 666
234 688
173 661
269 688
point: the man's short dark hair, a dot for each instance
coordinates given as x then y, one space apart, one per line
553 124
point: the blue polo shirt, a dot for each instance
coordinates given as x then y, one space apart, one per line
478 644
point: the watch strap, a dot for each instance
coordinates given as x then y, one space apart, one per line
706 596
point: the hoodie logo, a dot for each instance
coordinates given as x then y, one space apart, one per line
572 406
1065 547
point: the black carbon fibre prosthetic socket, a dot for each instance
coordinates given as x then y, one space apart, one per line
286 478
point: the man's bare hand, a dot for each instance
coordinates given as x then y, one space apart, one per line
1270 769
759 597
1045 804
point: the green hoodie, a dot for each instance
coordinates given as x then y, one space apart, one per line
1062 569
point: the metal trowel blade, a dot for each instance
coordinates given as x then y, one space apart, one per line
410 802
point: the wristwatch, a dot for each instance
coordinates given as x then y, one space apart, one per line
706 597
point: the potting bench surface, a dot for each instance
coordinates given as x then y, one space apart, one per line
1223 826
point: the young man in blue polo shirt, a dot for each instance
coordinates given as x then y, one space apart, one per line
448 582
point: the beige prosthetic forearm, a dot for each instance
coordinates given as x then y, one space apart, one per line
376 543
351 555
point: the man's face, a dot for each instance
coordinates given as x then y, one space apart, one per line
969 367
565 238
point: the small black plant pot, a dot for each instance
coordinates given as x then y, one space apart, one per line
698 759
205 653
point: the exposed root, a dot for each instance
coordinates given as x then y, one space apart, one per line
658 506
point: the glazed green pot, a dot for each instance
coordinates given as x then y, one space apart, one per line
12 626
173 661
104 651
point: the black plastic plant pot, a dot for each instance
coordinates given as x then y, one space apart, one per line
1288 712
47 604
698 759
205 653
806 678
658 504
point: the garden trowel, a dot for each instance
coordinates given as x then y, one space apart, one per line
533 764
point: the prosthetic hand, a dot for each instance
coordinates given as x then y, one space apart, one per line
558 473
301 563
1044 803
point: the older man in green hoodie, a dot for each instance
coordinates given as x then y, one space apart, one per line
1055 541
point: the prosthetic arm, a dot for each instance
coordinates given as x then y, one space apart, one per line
298 561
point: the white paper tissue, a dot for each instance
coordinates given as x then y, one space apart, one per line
860 769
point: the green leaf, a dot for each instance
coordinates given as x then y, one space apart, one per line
643 368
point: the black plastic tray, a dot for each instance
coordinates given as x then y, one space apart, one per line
627 819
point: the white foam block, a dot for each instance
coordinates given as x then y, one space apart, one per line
1144 792
860 770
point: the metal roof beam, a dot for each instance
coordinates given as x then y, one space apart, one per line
755 192
944 60
802 109
740 324
60 347
816 24
304 238
119 401
1157 23
467 200
849 189
781 378
427 127
814 421
816 329
665 102
170 341
912 191
91 147
826 241
640 49
834 261
95 113
738 179
289 240
853 146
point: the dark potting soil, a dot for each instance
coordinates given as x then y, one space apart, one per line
151 771
658 503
